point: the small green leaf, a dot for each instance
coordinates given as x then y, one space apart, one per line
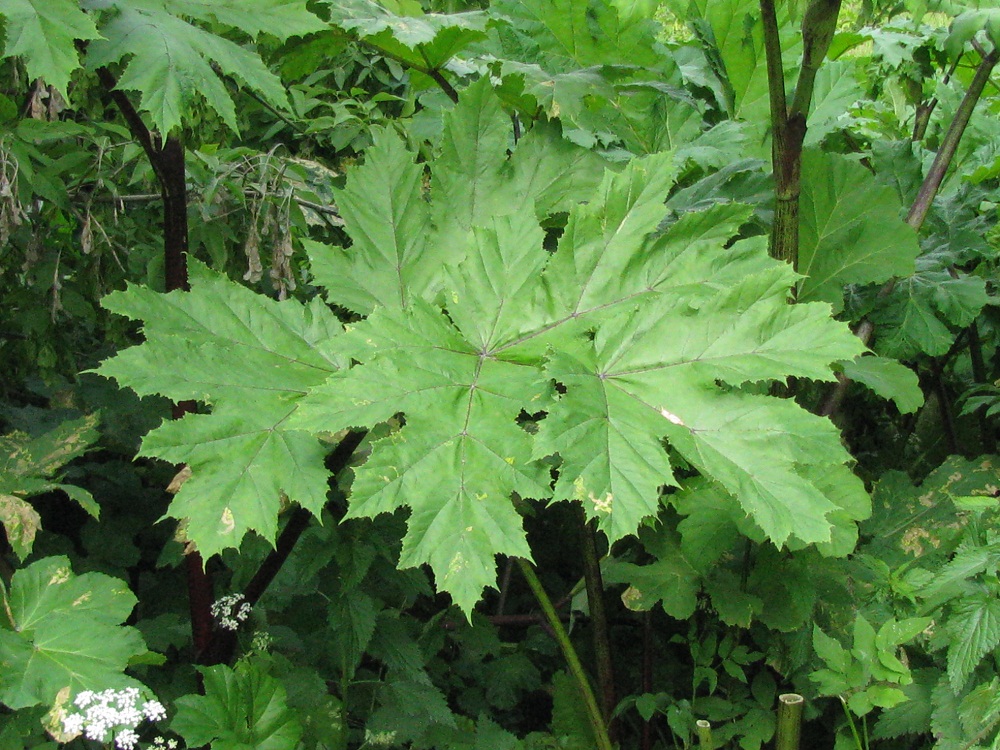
889 379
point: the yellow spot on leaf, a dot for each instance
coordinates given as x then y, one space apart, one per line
61 575
632 599
227 524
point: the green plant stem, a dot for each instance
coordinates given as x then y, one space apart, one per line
946 154
788 124
705 740
598 621
569 653
854 728
789 721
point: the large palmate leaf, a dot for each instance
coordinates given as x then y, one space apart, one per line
44 34
243 709
59 630
28 466
170 61
651 338
251 359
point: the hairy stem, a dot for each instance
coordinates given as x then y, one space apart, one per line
569 653
788 124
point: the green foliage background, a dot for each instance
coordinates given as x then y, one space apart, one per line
480 303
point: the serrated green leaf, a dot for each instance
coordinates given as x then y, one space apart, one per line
920 308
889 379
973 630
469 177
65 632
251 358
389 222
171 83
835 91
243 708
279 18
711 524
44 34
423 40
671 581
573 34
913 716
851 230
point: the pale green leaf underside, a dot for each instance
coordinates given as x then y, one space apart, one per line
67 633
251 359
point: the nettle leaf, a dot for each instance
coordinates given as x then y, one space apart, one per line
44 34
63 631
426 41
143 32
243 708
973 631
251 359
851 230
655 339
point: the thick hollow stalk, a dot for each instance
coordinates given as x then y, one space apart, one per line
705 741
789 721
569 653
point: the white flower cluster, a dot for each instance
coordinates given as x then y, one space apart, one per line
116 711
230 611
161 743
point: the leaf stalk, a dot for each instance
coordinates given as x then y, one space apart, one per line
597 724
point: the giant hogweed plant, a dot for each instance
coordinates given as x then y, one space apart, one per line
585 373
525 325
